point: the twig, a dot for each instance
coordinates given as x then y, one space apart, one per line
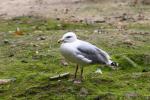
64 75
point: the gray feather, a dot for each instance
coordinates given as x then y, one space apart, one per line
93 53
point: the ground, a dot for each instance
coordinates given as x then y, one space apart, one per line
31 56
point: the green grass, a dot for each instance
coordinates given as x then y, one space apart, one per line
139 26
31 71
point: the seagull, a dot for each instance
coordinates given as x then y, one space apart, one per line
83 53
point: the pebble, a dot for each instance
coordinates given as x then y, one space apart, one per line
99 71
83 92
41 38
6 41
64 63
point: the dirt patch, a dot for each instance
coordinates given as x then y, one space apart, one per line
64 9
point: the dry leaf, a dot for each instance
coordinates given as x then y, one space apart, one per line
18 31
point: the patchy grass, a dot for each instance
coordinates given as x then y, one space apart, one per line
30 61
139 26
29 24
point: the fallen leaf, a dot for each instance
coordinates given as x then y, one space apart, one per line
18 31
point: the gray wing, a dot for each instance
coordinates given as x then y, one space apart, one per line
93 53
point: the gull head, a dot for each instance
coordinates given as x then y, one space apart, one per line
68 38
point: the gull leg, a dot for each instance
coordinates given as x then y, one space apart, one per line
78 81
75 75
81 76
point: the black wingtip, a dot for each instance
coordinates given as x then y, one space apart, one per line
114 64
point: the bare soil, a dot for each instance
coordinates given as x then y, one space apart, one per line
70 9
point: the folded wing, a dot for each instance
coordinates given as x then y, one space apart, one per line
90 52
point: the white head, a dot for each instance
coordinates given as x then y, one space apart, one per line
68 37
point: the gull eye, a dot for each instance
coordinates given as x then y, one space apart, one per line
68 36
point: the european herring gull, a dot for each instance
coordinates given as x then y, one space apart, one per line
82 52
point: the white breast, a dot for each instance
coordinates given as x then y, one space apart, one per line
68 51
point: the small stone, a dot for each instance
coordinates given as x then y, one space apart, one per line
34 67
128 41
99 31
77 81
59 25
146 2
57 18
98 71
124 16
76 1
83 92
6 41
37 52
105 96
13 45
64 63
55 9
146 70
101 20
5 81
81 20
146 33
41 38
141 16
136 75
96 31
24 61
35 45
131 95
11 55
66 10
59 80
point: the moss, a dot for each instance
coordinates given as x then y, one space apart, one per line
31 70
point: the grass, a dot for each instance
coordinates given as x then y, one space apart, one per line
139 26
30 61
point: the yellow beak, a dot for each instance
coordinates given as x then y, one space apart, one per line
60 40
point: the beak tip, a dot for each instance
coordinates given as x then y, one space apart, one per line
59 41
